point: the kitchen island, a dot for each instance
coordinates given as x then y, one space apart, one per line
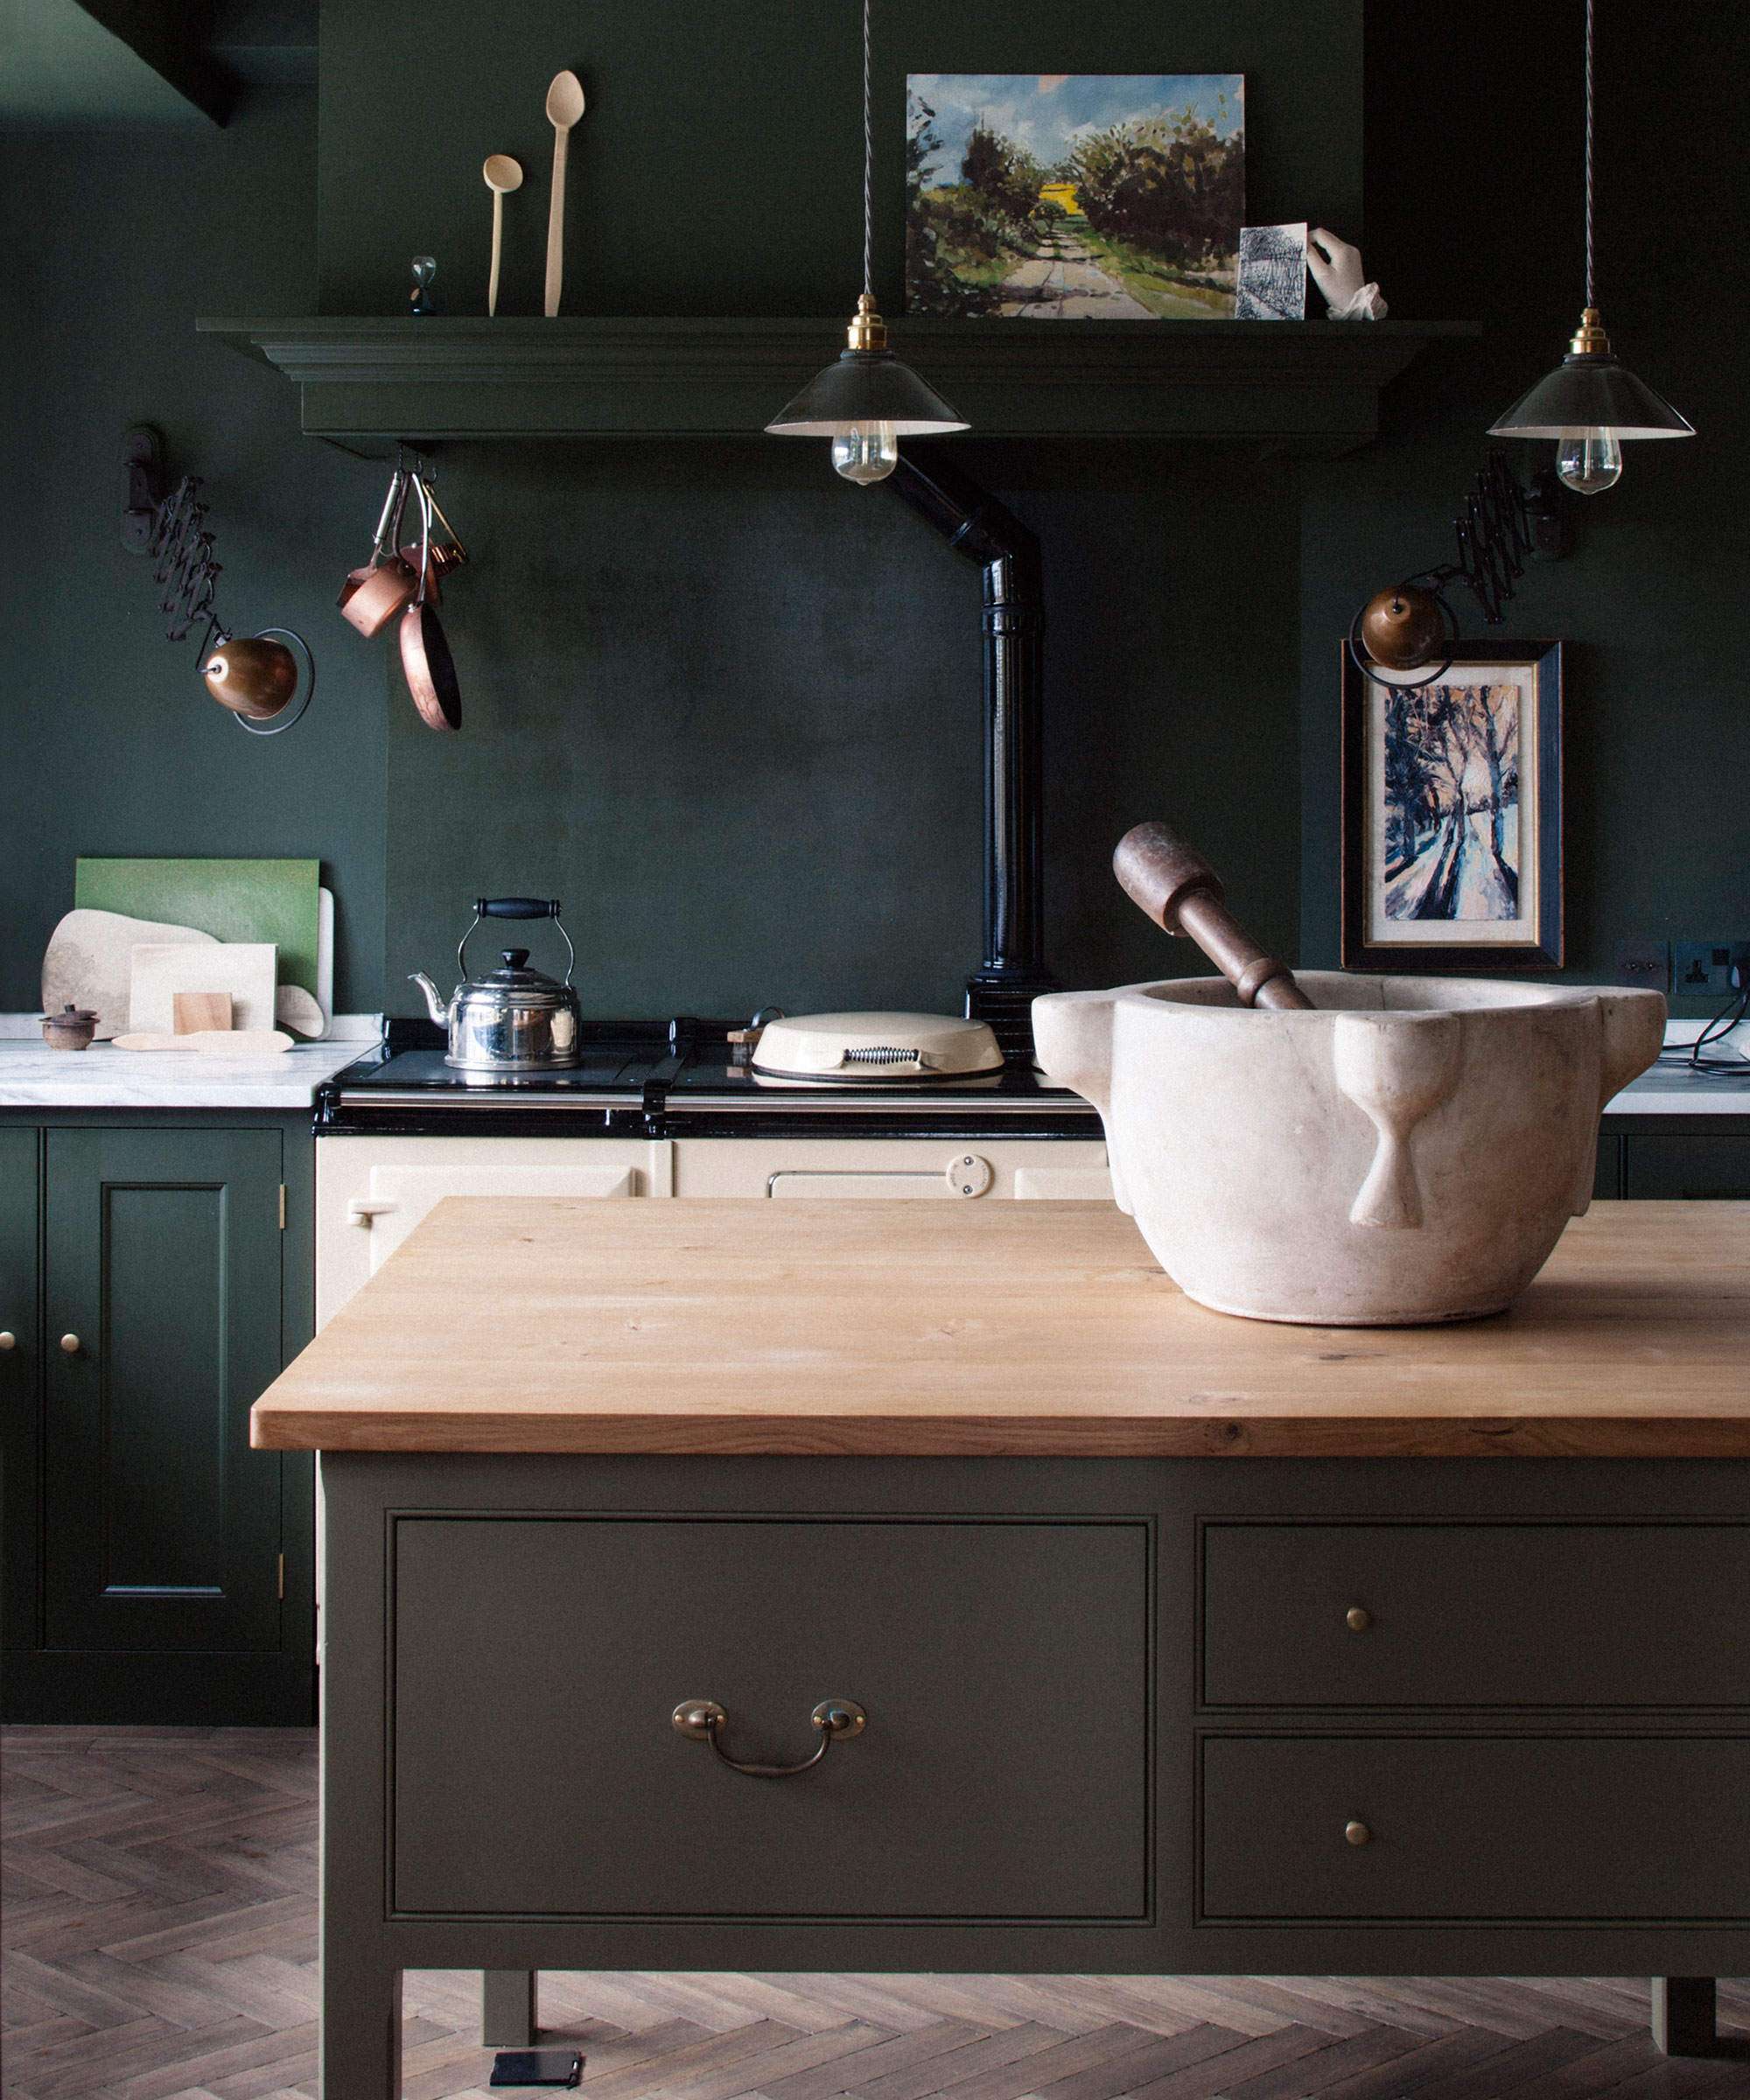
1372 1701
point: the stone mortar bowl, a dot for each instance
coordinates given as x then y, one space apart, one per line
1409 1151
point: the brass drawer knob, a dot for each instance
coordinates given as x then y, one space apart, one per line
836 1720
1357 1620
8 1338
70 1343
1356 1833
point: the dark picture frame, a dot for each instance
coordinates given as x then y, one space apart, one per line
1428 884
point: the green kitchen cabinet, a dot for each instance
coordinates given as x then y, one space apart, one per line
1674 1159
20 1361
156 1568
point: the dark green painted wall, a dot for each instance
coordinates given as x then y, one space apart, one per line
110 743
718 169
1475 207
726 706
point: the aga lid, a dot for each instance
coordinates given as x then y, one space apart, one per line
874 1047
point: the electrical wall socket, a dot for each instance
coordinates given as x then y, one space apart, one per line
1645 965
1703 969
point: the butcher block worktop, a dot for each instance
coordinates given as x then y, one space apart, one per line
1015 1329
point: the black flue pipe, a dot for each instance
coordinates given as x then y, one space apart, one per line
975 525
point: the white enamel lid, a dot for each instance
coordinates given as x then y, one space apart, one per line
874 1047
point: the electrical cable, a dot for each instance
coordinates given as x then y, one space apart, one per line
868 169
1688 1056
1590 299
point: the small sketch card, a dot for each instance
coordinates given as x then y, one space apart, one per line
1272 278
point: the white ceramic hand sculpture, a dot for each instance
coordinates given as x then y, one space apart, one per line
1336 270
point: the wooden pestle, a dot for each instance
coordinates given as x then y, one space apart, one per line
1179 890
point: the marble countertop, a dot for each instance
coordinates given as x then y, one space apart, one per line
33 1076
1672 1088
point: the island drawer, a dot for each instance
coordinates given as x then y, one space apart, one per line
1475 1831
1532 1614
1003 1664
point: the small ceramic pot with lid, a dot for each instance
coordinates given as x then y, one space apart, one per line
515 1018
71 1029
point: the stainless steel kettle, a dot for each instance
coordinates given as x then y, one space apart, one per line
514 1019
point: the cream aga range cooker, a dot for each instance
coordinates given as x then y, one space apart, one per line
662 1110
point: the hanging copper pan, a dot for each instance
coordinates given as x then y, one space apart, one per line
371 597
425 658
436 560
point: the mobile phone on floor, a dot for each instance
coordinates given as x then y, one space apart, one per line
536 2067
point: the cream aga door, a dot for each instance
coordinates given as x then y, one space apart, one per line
372 1192
940 1169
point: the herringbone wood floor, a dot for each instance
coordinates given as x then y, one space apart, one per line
160 1945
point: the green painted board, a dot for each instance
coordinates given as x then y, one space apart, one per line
231 899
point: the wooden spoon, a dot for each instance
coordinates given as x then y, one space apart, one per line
564 107
502 175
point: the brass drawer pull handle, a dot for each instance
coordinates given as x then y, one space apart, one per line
704 1720
1357 1833
1358 1618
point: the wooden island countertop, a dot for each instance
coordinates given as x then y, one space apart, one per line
994 1329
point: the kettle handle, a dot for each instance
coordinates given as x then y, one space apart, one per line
516 907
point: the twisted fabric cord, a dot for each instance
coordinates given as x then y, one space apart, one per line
869 158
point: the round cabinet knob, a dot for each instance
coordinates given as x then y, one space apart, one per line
967 1175
1357 1620
70 1343
8 1338
1356 1833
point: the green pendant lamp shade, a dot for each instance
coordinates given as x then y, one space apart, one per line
1590 403
867 386
1590 390
868 400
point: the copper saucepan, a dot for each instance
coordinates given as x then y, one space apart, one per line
436 560
380 541
371 597
425 658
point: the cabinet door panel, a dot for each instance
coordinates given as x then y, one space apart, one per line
1469 1614
163 1259
1004 1771
1476 1830
18 1378
1685 1165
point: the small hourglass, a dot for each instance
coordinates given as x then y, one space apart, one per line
425 268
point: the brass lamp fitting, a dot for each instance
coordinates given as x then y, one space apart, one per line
1590 340
868 331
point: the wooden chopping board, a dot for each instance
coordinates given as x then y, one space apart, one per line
239 900
245 968
89 963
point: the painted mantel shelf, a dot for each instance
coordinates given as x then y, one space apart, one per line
1298 386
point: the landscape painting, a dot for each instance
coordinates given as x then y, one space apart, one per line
1062 196
1450 768
1451 812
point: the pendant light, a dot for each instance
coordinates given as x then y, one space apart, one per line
1590 404
868 400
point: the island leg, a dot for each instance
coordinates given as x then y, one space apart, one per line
360 2037
1683 2015
508 2013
